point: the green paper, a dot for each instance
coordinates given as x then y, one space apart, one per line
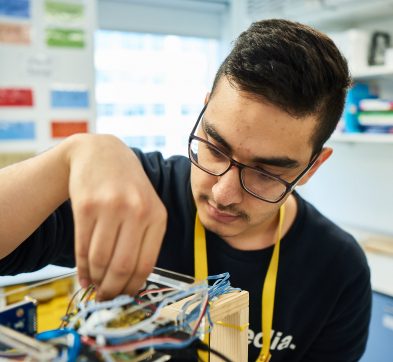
63 11
72 38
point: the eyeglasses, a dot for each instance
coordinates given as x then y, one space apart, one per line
259 183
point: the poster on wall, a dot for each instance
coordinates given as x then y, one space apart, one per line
15 8
13 33
69 38
17 130
16 97
47 72
63 12
65 128
69 98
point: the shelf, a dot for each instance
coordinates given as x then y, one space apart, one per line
376 71
362 138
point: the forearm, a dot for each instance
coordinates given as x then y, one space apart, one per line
30 191
118 219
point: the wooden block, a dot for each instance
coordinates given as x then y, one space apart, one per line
229 335
229 314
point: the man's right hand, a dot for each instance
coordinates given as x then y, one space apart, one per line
119 219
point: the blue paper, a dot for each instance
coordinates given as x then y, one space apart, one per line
69 99
17 130
15 8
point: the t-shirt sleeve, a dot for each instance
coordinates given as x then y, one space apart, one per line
51 243
167 175
345 334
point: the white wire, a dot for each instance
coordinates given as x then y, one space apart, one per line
123 332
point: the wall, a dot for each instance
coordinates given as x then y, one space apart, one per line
354 186
193 18
43 63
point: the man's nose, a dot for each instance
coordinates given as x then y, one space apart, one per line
228 190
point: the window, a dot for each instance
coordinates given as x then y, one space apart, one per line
150 88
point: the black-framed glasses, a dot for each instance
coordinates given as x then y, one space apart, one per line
259 183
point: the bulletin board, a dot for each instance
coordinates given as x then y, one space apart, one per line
46 74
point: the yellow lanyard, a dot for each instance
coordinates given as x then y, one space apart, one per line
269 285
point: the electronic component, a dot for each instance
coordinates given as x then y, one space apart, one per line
20 316
163 319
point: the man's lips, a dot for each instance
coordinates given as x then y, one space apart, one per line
220 216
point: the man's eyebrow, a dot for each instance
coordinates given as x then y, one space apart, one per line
212 132
284 162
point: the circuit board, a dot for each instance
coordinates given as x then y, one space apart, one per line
126 328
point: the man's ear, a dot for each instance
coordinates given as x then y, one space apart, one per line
323 156
207 97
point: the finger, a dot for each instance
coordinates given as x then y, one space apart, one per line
84 227
147 257
102 244
123 262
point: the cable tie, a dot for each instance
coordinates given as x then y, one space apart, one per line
239 328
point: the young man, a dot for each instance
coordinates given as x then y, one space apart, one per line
275 101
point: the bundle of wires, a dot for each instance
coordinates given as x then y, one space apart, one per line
98 325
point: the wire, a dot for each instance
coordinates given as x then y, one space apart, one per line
89 320
87 292
66 315
73 350
201 315
96 306
156 342
95 329
204 347
154 291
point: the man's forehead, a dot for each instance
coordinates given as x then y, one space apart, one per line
236 117
279 160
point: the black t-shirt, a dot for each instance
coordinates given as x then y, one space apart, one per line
323 296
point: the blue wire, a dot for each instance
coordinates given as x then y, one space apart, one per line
220 286
73 351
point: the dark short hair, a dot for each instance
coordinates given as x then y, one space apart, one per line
292 66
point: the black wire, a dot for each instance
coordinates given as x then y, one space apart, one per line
204 347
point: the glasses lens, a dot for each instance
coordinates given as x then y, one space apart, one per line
213 161
262 185
208 157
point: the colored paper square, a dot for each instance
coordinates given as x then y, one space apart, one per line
16 97
69 98
15 8
17 130
62 129
14 33
62 11
71 38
